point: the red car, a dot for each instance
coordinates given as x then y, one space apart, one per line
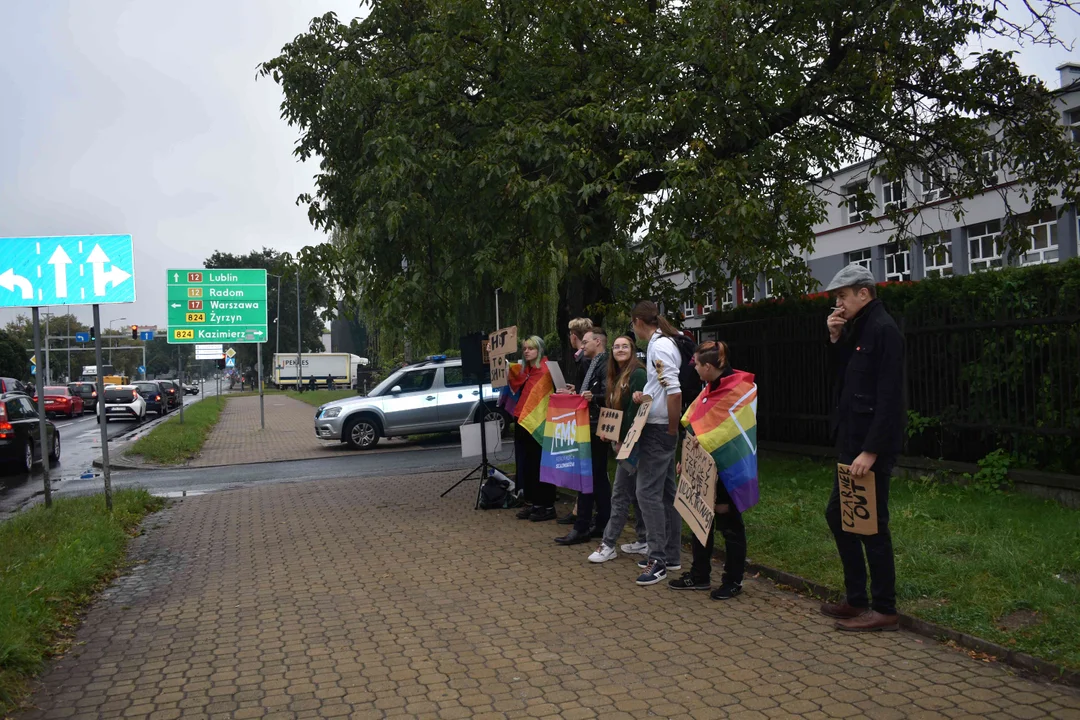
60 401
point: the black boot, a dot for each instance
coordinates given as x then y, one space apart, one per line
573 538
525 512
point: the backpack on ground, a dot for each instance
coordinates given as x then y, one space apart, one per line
498 492
689 380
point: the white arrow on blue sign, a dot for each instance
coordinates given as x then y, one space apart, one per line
141 369
82 337
70 270
146 334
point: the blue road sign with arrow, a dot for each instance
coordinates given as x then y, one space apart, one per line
146 334
82 337
71 270
141 369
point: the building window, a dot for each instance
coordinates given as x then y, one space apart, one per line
984 246
749 291
897 262
710 302
859 207
893 194
728 301
1074 125
990 163
937 257
1044 244
770 291
861 257
689 308
932 184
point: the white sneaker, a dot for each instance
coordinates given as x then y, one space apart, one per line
636 548
603 554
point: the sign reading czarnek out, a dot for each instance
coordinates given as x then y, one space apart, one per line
215 306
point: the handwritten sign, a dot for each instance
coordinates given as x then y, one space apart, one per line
503 342
697 488
609 424
858 502
557 378
634 432
499 370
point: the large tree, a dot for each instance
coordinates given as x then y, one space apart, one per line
314 295
469 144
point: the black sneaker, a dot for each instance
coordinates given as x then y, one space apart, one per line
726 591
540 514
567 519
525 512
687 582
654 572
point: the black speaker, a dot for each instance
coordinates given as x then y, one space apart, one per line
472 358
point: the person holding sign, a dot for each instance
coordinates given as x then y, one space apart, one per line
867 360
593 388
722 419
625 378
659 438
530 383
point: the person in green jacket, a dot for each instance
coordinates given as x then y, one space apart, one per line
626 376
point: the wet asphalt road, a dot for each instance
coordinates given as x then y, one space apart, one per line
81 444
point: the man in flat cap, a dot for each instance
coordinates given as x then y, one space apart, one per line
867 420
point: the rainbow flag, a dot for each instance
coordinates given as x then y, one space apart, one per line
567 457
725 423
533 407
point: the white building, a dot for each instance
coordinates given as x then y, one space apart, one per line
944 245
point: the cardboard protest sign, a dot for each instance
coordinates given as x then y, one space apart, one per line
566 459
609 424
499 370
503 342
634 432
696 495
557 378
858 502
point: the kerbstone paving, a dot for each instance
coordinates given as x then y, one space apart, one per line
376 598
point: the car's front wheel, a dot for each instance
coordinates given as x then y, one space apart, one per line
497 416
361 433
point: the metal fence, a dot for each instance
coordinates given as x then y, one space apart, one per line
977 377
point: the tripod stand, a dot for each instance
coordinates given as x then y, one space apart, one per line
484 465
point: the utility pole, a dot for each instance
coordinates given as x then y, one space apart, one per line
43 439
69 346
103 419
299 358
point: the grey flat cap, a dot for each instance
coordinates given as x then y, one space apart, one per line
853 274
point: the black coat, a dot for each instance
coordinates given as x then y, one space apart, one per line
598 387
868 384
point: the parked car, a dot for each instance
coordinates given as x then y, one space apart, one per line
171 393
431 396
88 392
11 385
59 400
20 433
123 402
154 395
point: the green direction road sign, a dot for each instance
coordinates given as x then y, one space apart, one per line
214 306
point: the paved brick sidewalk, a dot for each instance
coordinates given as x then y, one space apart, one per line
237 438
376 598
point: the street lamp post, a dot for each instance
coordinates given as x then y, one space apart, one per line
110 342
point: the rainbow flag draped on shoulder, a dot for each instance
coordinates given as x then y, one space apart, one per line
725 423
529 402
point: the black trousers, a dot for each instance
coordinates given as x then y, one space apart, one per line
878 548
600 497
730 525
527 455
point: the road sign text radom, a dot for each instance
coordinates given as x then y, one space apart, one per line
213 306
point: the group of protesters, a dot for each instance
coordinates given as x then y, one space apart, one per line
867 422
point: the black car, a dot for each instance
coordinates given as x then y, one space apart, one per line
11 385
174 395
88 392
155 395
20 433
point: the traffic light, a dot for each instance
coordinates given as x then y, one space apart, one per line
134 332
221 363
93 333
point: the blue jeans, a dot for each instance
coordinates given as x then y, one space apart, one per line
623 494
656 493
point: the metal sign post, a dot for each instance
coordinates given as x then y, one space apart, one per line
44 446
180 380
103 419
262 413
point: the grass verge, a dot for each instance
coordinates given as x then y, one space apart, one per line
171 443
319 397
1005 568
52 561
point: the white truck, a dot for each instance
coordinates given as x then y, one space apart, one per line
321 366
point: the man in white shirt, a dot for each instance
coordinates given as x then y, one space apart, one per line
656 447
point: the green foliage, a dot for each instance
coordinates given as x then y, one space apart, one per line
173 443
963 559
52 561
14 359
993 473
567 151
917 423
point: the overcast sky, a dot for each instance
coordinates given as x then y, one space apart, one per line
145 117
